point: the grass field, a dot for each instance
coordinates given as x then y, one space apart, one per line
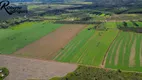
88 47
126 52
48 46
74 46
17 37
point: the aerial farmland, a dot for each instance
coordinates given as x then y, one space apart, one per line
83 44
76 37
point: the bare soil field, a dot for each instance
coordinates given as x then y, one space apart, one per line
48 46
24 68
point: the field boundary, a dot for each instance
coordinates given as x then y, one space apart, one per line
24 57
66 63
48 46
105 56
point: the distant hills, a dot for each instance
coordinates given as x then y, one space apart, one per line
52 1
116 2
97 2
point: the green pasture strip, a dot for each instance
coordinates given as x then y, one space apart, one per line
80 43
74 45
128 48
121 50
115 49
97 47
69 47
118 40
68 58
80 53
71 51
138 46
124 48
88 47
10 31
128 39
126 56
21 35
110 52
89 50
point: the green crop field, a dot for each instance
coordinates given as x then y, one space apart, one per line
88 47
17 37
126 53
73 47
121 52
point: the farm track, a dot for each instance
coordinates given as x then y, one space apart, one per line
105 57
119 59
129 53
48 46
88 52
112 53
24 68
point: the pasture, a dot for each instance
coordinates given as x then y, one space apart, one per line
88 47
48 46
126 51
108 44
18 36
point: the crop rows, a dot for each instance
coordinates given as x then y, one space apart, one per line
88 47
126 52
